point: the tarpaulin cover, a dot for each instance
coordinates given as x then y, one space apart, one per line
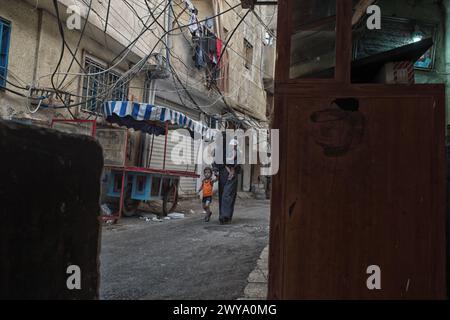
135 115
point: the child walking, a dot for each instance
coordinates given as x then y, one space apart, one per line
207 188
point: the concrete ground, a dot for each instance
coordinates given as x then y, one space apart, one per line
257 281
186 258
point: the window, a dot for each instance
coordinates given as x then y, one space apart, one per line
95 86
5 34
313 39
211 122
248 54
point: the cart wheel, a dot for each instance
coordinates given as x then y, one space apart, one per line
170 199
129 205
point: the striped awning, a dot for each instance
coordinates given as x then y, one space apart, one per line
135 114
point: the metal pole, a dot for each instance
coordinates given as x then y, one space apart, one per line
165 145
151 152
107 15
122 190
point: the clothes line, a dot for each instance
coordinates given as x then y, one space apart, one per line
207 46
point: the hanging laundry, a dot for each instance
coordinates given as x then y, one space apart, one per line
189 5
193 24
209 23
219 49
203 42
211 46
207 47
199 58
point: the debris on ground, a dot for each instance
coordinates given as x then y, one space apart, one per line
176 215
106 210
187 252
147 217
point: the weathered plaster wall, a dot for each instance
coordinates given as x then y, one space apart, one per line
32 48
246 88
22 51
246 85
35 46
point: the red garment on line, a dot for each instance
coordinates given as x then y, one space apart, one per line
219 49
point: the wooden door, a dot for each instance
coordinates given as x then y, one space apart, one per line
359 188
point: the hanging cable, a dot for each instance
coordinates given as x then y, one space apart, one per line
137 68
61 31
78 45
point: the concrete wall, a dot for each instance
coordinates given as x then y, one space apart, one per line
246 88
49 193
246 85
123 25
22 52
36 47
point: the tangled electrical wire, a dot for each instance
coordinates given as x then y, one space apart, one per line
118 59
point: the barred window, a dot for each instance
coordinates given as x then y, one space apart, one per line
95 86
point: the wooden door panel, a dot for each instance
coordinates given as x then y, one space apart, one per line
359 192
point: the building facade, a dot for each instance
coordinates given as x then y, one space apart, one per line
55 65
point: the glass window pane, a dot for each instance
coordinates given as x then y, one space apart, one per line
313 39
4 48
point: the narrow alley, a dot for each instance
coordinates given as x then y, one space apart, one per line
183 259
321 127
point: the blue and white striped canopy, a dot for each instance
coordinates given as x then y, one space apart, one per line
134 114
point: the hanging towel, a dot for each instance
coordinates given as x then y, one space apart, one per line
189 5
199 58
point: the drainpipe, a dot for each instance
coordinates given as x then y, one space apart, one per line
168 26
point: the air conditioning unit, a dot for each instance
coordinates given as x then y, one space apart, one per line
156 67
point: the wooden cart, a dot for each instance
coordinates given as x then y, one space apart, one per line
131 184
